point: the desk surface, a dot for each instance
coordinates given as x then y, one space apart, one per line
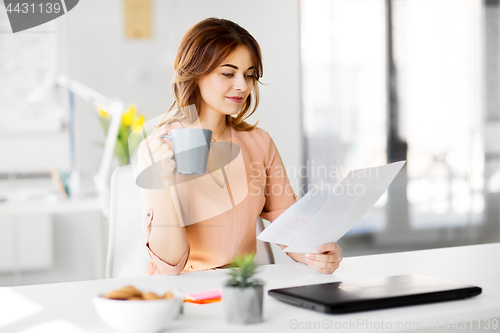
69 305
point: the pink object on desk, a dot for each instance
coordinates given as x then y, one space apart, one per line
204 296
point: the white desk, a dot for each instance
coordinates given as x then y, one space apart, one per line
70 303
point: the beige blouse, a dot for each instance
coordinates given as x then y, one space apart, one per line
221 218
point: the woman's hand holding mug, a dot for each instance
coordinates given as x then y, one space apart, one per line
162 152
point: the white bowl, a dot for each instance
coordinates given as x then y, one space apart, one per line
138 316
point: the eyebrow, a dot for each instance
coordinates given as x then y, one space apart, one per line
235 67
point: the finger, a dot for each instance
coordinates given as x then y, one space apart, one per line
283 246
158 136
169 168
329 257
329 247
150 140
322 264
156 144
163 153
325 268
163 159
159 132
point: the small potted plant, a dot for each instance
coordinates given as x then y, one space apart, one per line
242 293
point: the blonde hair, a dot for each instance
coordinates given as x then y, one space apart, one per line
202 49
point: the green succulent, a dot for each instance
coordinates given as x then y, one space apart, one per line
242 270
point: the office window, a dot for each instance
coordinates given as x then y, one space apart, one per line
436 47
437 51
344 79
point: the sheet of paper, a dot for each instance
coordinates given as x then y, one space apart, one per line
294 220
325 217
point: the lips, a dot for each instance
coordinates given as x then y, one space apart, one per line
235 99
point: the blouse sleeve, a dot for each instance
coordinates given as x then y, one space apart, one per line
278 192
161 265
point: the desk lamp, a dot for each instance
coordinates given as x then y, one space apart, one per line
114 107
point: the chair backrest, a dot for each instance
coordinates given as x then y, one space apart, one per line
127 255
264 253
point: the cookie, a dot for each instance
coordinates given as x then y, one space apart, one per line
168 294
117 294
131 293
132 290
150 295
124 293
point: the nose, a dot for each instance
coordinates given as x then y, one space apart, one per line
240 83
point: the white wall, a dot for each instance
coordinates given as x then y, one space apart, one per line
95 52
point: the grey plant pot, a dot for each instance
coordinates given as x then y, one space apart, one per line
243 305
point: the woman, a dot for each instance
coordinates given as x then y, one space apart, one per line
217 68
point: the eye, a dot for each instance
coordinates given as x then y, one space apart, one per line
250 76
228 74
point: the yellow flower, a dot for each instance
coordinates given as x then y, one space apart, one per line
139 121
128 116
103 113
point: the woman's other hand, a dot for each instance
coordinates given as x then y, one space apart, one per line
327 261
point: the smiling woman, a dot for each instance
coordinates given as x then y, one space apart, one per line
204 222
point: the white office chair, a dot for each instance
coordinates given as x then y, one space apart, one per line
264 255
127 255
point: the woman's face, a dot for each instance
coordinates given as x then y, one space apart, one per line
225 89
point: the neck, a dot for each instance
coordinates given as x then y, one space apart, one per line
216 123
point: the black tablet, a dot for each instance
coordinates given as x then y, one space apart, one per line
374 293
